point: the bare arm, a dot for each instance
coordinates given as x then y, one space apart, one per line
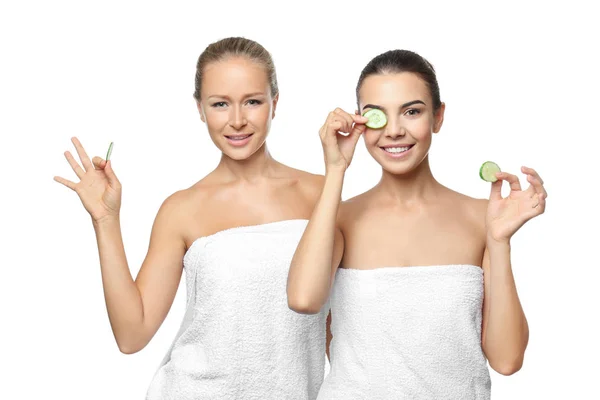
322 245
136 309
505 332
319 251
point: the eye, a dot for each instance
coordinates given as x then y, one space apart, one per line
254 102
219 104
413 111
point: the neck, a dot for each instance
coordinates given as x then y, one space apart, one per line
413 187
256 167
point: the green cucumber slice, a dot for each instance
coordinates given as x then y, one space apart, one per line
377 118
109 151
488 170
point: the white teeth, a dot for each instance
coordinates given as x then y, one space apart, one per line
396 149
238 137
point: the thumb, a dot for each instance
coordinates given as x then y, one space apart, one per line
496 190
110 174
359 119
98 162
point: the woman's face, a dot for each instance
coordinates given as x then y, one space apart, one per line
404 142
236 105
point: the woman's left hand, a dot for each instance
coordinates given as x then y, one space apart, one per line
506 215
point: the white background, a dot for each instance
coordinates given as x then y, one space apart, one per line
521 86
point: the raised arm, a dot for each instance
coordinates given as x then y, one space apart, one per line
505 332
136 309
321 247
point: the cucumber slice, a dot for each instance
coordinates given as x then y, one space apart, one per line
377 118
488 170
109 151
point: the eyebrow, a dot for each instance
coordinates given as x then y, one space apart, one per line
245 96
410 103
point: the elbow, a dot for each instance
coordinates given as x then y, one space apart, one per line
303 305
131 346
128 348
508 368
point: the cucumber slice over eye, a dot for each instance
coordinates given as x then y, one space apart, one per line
488 170
377 118
109 151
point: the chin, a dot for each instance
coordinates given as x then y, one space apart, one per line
245 152
238 154
395 169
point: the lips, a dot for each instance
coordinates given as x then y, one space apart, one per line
239 140
238 137
397 148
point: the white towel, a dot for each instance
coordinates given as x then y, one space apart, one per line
407 333
239 339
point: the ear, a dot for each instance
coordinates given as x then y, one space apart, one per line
439 118
275 100
201 111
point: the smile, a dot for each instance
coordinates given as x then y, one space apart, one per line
397 151
238 140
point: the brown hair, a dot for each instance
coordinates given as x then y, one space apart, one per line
231 47
396 61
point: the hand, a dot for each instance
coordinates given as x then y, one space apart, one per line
339 149
506 215
99 189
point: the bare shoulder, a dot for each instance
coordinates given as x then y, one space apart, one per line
473 209
183 204
308 183
353 208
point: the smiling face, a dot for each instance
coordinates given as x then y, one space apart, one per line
237 106
404 142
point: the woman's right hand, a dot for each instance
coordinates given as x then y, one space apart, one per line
339 149
98 188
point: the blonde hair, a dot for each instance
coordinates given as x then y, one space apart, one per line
231 47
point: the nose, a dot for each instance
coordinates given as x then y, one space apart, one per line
394 128
237 118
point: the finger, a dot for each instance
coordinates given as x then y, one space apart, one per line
99 163
513 180
325 128
335 127
76 168
496 190
541 203
536 186
531 171
538 206
345 118
352 118
66 182
359 119
333 124
85 160
355 135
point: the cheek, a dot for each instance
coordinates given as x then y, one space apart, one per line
371 137
260 116
421 128
216 120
